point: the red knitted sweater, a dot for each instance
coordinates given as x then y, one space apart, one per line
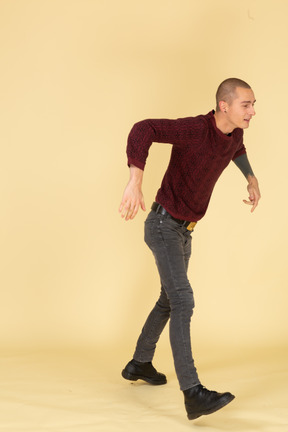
200 152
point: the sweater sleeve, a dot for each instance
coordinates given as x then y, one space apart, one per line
145 132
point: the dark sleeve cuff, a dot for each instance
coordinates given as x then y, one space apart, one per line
136 163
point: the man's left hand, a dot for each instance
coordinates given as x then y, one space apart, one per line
254 192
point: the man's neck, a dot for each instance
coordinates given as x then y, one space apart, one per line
222 124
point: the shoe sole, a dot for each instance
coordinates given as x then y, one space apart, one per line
217 407
132 377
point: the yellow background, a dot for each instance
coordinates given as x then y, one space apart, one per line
75 76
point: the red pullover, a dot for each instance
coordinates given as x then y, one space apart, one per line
200 152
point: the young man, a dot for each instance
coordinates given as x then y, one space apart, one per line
202 147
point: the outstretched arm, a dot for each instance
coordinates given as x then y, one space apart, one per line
253 188
132 198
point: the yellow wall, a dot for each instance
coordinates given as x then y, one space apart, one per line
75 76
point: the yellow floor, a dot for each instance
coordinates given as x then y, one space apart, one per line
83 391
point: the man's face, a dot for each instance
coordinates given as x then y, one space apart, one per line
241 109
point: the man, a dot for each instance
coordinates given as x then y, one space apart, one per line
202 147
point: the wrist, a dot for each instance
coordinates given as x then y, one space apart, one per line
136 175
252 179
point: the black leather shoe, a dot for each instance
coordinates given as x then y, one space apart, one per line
200 401
145 371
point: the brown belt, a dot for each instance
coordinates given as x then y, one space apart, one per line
159 209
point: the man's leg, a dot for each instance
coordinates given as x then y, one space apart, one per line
171 246
141 366
152 329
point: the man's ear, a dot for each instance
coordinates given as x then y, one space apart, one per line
223 106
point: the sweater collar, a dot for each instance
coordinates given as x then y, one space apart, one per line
218 131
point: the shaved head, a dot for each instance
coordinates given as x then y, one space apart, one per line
227 90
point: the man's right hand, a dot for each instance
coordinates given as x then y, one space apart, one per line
132 197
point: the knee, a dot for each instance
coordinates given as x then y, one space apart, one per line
189 302
184 301
163 306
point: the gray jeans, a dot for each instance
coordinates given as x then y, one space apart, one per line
171 247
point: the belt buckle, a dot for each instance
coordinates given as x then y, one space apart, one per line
191 226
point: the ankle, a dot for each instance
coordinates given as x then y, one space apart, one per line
138 363
190 390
